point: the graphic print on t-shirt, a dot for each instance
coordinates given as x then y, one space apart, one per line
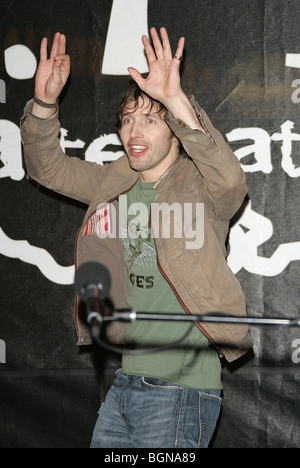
140 256
138 250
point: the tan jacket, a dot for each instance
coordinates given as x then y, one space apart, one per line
212 175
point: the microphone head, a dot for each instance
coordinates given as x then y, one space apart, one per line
89 276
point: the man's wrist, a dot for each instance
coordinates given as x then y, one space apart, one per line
43 112
46 105
181 108
176 103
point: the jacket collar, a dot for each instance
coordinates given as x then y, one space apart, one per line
177 166
124 178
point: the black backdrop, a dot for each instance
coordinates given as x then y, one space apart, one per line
242 63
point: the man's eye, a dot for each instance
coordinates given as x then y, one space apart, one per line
150 121
127 120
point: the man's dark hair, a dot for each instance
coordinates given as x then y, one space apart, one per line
132 95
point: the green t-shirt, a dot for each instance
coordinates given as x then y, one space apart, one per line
191 363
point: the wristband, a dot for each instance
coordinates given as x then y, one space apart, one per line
44 104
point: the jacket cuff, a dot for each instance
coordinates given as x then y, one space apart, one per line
183 131
35 128
28 110
179 126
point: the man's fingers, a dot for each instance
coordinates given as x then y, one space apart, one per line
166 43
61 50
43 49
61 67
54 49
62 58
162 49
157 44
58 47
151 57
136 76
56 70
180 47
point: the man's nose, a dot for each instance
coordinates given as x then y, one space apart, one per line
136 130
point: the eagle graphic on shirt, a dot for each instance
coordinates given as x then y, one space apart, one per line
137 247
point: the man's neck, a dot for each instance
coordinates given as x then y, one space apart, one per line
154 174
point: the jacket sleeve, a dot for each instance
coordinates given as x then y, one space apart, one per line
223 186
48 164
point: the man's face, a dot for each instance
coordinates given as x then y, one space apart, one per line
150 145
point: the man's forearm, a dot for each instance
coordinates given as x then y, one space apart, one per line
181 108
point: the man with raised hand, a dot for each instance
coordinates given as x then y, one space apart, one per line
174 158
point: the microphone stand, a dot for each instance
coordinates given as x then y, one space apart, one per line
129 315
96 320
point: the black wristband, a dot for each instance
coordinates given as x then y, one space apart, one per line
44 104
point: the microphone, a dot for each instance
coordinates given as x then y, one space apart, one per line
92 284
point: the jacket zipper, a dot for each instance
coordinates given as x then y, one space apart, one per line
179 298
211 342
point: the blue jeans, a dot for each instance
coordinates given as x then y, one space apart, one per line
150 413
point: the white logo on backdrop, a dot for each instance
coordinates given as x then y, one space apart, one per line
22 250
10 151
251 231
20 62
123 50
